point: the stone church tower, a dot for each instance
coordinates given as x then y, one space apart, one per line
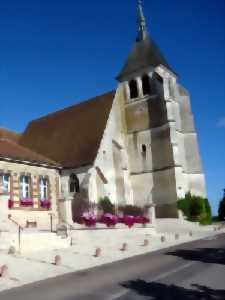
141 148
162 146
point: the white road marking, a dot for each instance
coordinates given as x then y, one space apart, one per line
118 295
178 269
163 276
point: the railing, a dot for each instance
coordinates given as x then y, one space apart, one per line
20 228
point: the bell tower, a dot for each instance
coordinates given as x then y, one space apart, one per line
145 77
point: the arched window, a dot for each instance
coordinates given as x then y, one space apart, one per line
25 188
146 85
74 185
133 89
143 149
43 188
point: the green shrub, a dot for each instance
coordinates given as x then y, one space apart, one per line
106 205
196 208
184 205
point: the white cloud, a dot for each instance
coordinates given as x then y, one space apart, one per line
221 123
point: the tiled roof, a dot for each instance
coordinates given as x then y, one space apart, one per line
9 134
70 136
144 54
11 150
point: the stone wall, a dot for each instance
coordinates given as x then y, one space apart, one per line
35 212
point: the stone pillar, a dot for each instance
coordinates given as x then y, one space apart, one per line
127 90
140 88
15 189
35 191
65 210
152 214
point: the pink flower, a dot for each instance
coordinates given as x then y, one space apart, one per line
141 220
45 203
109 220
26 202
129 221
89 219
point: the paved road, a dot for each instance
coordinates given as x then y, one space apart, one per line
193 271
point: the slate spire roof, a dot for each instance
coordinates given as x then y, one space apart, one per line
142 30
145 52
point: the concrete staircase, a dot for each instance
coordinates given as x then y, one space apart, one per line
29 239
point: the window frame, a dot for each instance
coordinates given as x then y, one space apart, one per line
43 189
25 187
73 179
5 183
133 88
145 80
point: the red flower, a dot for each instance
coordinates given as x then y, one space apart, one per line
141 220
26 202
109 220
10 203
89 219
46 203
129 221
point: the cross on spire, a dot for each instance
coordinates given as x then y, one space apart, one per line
142 28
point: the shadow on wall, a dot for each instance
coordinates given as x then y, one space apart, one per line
164 185
80 204
160 291
205 255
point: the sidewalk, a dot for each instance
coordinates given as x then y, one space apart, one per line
30 267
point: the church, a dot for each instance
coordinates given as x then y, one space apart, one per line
136 145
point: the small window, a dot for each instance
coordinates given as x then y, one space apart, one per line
5 183
143 148
25 187
133 89
146 85
43 188
74 185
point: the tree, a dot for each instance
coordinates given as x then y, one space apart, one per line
221 210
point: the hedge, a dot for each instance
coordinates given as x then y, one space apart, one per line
196 209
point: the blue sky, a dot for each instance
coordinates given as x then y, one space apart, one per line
56 53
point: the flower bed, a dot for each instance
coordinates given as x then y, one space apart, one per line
45 203
89 219
26 202
142 220
110 220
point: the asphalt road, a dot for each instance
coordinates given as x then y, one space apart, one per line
193 271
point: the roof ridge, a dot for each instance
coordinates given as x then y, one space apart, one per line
71 106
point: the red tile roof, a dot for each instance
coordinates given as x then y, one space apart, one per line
11 150
71 136
9 134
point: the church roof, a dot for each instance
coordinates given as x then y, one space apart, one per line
13 151
145 53
9 134
71 136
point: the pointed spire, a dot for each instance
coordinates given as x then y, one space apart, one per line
142 29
